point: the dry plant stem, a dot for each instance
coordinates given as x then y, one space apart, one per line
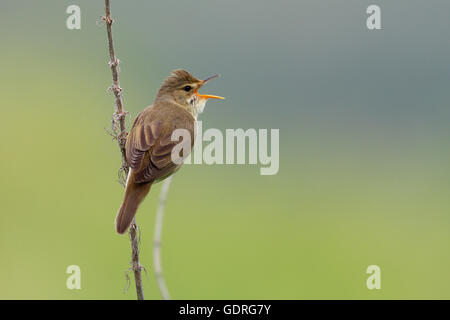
120 131
136 266
120 113
157 240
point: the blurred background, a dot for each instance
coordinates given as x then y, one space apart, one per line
364 149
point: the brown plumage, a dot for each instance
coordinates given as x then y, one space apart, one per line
149 145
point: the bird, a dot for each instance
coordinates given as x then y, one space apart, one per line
149 143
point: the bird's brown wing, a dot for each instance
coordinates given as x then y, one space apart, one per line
149 145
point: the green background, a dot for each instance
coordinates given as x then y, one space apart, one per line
364 149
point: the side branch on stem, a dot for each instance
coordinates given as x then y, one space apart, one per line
157 240
120 134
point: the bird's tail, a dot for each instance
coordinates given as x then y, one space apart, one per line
134 194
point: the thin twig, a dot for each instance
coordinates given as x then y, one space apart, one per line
118 118
120 132
157 240
135 263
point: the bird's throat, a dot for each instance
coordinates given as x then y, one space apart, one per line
196 105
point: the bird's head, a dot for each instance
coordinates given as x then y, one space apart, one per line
183 87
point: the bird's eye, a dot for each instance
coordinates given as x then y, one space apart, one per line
187 88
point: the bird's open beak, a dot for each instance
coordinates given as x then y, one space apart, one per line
208 96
